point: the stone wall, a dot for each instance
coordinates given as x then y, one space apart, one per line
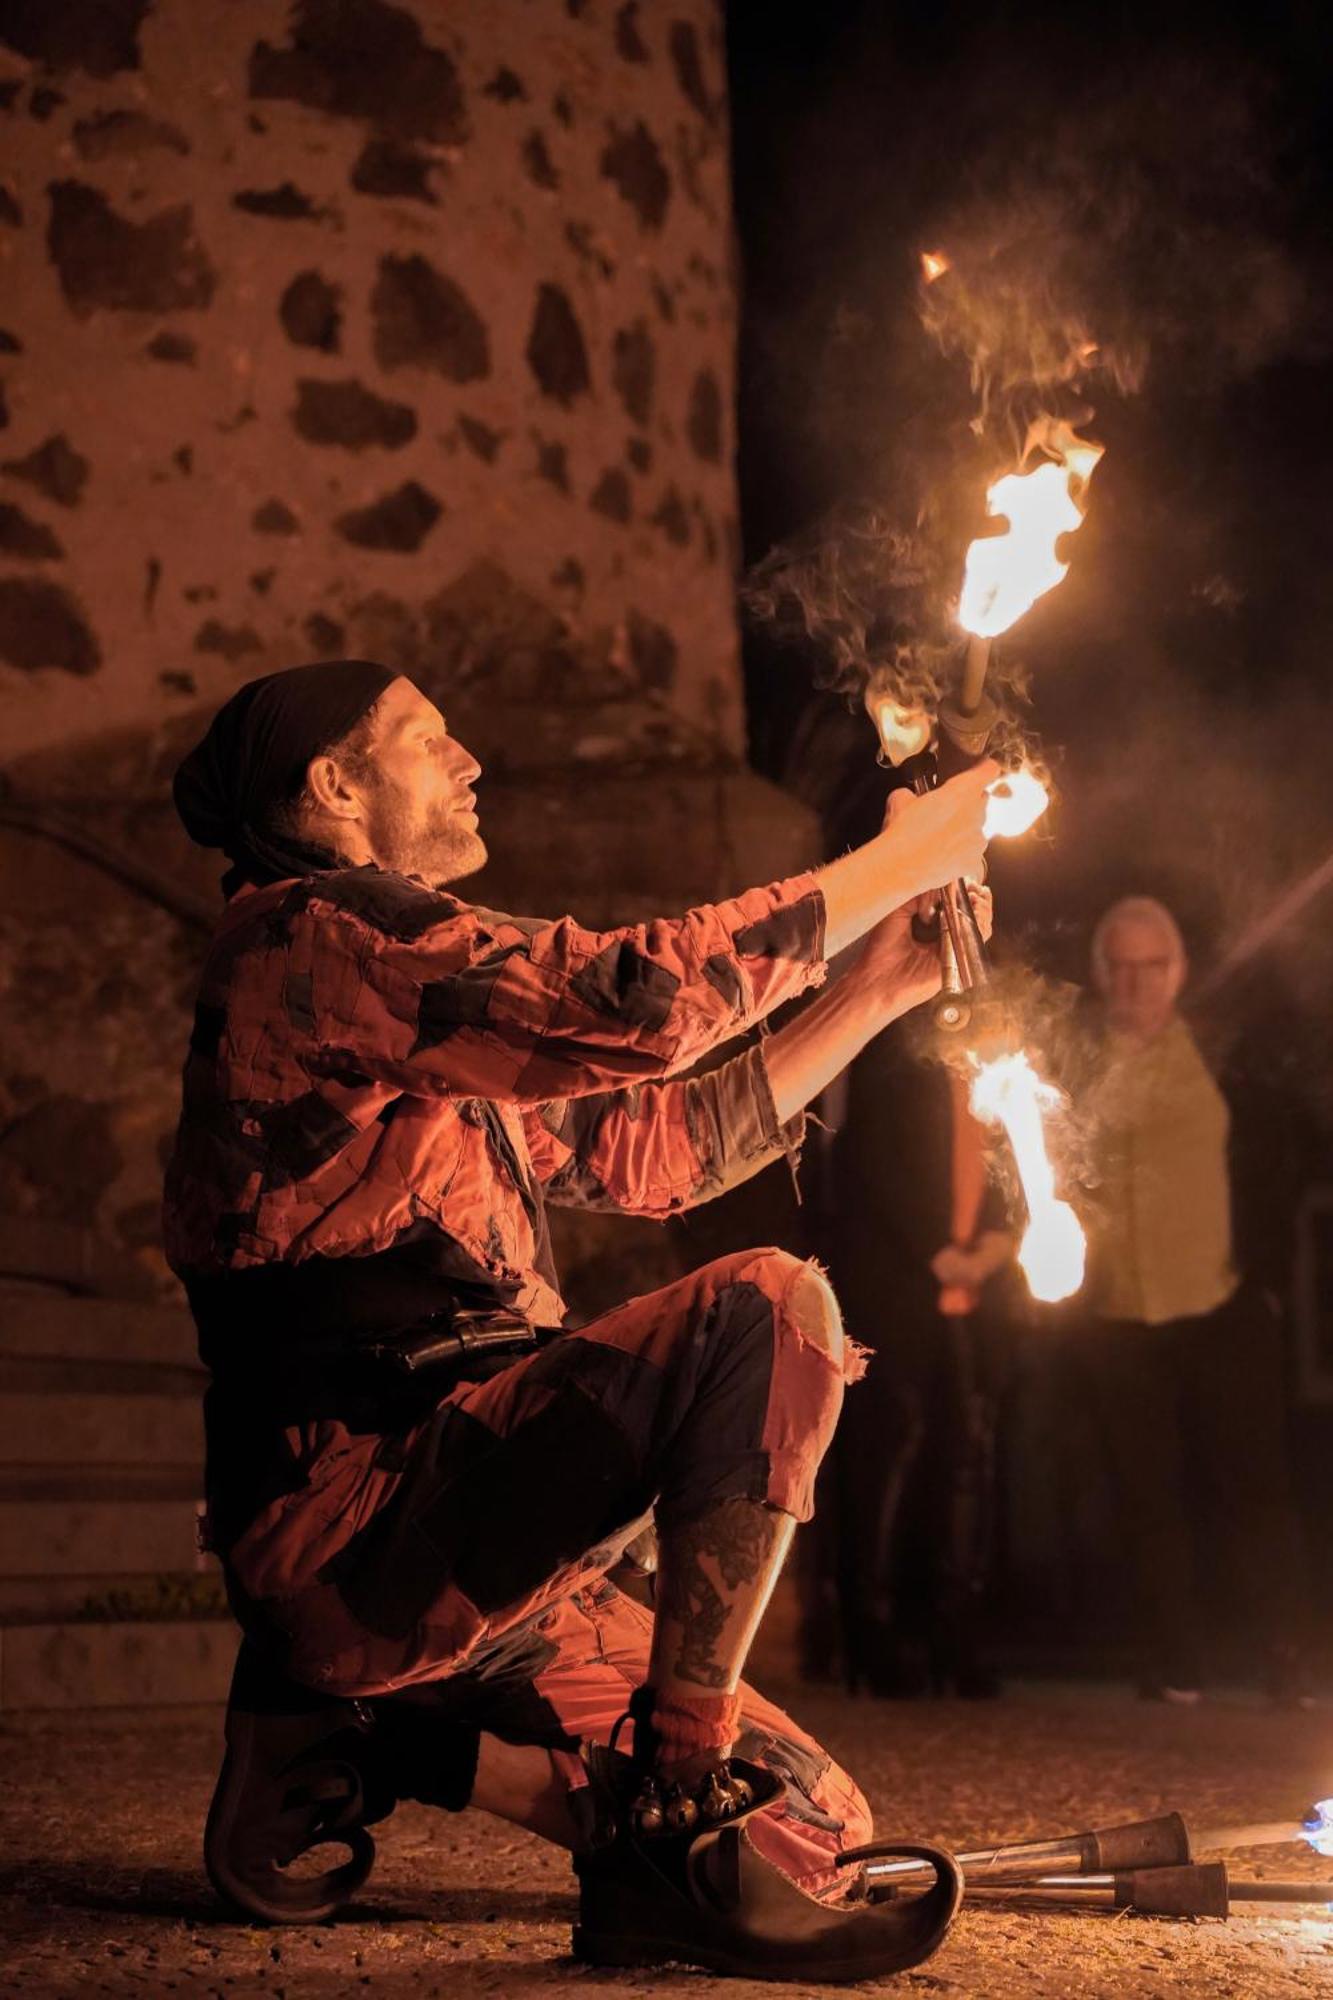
306 307
403 331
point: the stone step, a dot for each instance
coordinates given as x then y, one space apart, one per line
43 1323
76 1431
50 1536
148 1664
50 1600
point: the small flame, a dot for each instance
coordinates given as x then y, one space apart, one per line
1009 1092
1015 801
934 264
1318 1828
902 731
1004 575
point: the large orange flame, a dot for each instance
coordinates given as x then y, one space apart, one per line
1015 801
1004 575
1009 1092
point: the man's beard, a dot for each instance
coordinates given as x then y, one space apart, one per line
438 845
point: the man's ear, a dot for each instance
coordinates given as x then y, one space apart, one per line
327 785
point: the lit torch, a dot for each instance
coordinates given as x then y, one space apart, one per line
1008 1092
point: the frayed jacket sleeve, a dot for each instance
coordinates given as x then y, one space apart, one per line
435 997
655 1148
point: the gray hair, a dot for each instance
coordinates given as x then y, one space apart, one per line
1137 910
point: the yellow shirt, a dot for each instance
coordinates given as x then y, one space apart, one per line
1162 1249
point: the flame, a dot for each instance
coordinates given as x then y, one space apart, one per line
1318 1829
1009 1092
934 264
1015 801
902 731
1004 575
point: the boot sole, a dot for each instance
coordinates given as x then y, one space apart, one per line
609 1949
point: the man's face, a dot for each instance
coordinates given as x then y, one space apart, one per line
1141 975
420 810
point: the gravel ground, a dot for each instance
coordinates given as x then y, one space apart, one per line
101 1891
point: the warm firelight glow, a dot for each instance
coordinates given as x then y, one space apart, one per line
902 731
1009 1092
1015 801
934 264
1318 1830
1004 575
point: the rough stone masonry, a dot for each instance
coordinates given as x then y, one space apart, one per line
343 326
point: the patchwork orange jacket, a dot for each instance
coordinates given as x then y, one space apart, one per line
387 1084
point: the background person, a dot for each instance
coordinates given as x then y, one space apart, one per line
1180 1356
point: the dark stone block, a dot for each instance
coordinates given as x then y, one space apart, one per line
122 134
506 87
171 347
653 652
639 453
281 204
9 342
9 91
393 171
556 352
310 312
611 495
671 517
10 211
44 103
273 518
553 464
63 1148
580 237
400 521
326 635
233 642
55 468
563 110
364 59
176 681
21 536
425 320
351 416
41 626
634 370
480 438
99 37
703 425
666 305
570 575
629 42
538 164
633 162
262 581
685 59
183 458
103 260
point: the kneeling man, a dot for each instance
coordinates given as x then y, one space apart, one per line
417 1481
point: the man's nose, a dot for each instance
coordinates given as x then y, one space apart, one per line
462 764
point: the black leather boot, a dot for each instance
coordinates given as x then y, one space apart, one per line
301 1771
673 1875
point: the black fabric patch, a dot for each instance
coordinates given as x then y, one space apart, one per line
206 1035
301 1137
462 1000
621 982
392 904
792 932
723 975
299 995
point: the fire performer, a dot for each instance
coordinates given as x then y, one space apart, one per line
1183 1358
385 1086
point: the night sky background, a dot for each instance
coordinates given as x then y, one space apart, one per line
1154 181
